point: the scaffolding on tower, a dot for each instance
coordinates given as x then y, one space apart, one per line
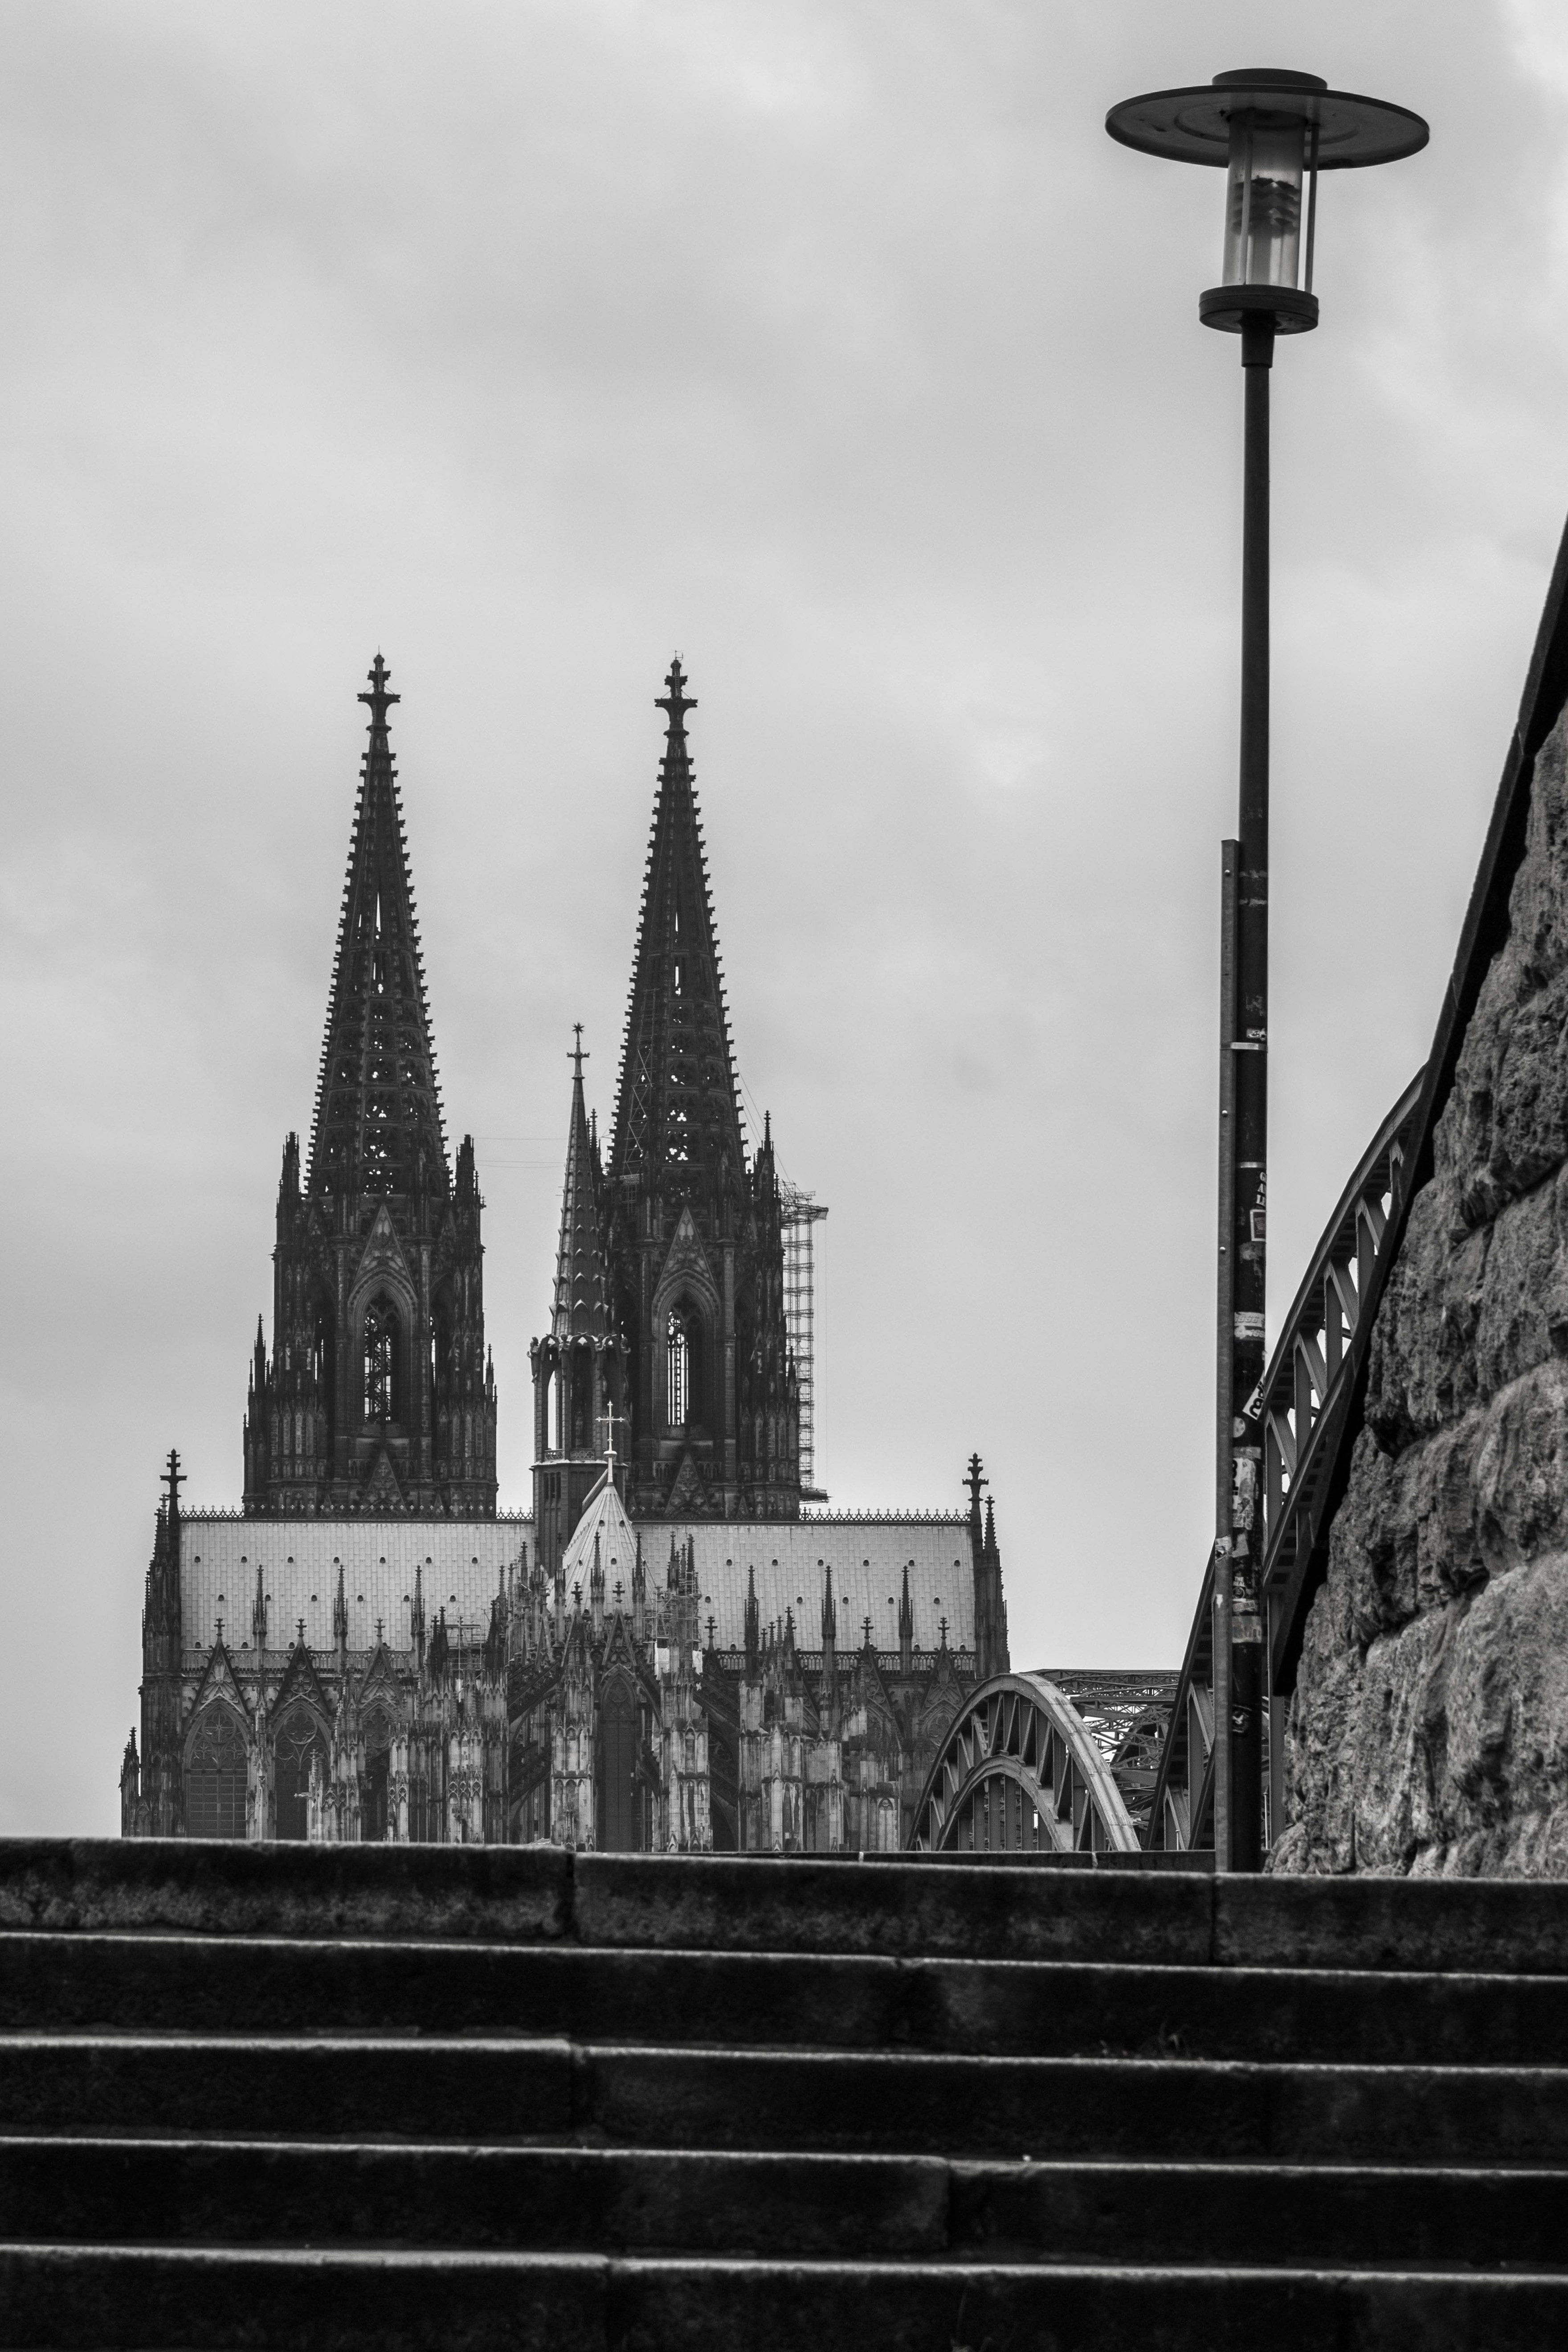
801 1213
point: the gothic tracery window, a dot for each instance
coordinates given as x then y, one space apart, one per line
216 1777
381 1337
677 1368
374 1815
299 1738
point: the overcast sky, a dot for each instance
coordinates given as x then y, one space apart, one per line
832 342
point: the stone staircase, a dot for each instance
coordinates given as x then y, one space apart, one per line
423 2096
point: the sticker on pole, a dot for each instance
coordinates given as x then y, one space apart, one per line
1249 1327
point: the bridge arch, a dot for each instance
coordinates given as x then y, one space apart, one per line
1019 1772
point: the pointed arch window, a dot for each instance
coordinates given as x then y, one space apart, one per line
375 1812
680 1351
216 1777
382 1361
299 1740
323 1368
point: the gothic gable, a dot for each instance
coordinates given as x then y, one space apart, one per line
380 1678
620 1651
300 1680
686 1263
686 1492
384 1256
218 1680
384 1497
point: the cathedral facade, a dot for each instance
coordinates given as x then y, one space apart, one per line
664 1652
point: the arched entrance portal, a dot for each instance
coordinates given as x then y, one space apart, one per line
620 1804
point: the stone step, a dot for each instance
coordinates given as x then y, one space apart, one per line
1031 2108
226 1984
806 1904
423 2301
642 2096
569 2199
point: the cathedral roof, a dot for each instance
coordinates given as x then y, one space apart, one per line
677 1111
582 1309
461 1562
790 1559
604 1517
378 1103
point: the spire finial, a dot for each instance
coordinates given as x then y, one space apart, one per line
380 697
578 1053
677 701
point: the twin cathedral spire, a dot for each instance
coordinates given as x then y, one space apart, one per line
669 1306
378 1127
667 1313
379 1394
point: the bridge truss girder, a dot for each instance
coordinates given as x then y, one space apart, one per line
1019 1772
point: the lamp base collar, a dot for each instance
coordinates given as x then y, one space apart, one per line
1290 311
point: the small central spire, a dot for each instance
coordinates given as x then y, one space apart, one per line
582 1288
380 698
677 701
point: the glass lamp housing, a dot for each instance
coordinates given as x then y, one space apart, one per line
1263 199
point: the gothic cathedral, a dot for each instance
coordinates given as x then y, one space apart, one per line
672 1650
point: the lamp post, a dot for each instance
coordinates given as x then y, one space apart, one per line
1271 132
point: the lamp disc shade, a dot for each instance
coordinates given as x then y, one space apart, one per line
1193 126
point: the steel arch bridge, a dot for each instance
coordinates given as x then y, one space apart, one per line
1303 1390
1019 1772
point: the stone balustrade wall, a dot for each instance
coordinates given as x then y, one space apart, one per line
1429 1728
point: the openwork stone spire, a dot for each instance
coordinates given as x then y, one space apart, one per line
676 1115
378 1125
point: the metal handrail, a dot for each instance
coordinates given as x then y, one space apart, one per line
1298 1402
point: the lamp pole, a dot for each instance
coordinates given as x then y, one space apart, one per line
1244 1152
1272 132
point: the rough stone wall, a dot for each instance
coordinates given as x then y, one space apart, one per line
1429 1728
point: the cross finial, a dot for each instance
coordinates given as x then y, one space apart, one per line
380 1623
577 1055
677 701
380 696
175 1478
220 1632
975 1478
610 1442
301 1633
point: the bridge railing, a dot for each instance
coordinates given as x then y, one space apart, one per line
1294 1406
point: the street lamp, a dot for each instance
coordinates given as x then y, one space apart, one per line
1271 132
